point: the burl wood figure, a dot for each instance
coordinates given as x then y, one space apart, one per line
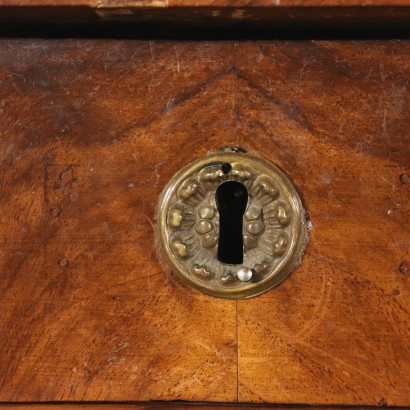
91 132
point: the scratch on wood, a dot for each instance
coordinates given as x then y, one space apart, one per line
177 57
151 48
160 338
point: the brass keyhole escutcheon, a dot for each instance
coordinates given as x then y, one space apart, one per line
231 225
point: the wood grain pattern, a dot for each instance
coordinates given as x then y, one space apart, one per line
91 131
336 118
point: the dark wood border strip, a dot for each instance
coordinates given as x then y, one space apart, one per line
179 406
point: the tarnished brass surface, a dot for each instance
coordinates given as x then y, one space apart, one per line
274 227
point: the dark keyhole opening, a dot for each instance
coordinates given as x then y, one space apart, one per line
231 200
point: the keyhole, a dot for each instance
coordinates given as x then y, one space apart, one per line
231 200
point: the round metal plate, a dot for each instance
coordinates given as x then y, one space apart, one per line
274 228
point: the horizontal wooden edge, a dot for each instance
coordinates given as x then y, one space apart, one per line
179 406
221 4
376 20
